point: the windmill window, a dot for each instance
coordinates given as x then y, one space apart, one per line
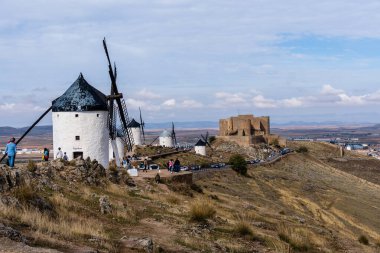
77 138
76 115
57 115
97 115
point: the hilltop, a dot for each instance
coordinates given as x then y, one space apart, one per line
303 203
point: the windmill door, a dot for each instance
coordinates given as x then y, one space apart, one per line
77 154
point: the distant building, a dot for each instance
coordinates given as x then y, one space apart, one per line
247 130
200 147
136 131
166 139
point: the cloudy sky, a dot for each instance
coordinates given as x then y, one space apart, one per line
196 60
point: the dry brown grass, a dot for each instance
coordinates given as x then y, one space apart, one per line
67 227
296 238
172 199
242 228
201 210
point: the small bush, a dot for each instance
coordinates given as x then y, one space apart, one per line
242 228
363 240
32 166
205 165
172 199
112 166
298 240
238 164
302 149
212 139
196 188
201 210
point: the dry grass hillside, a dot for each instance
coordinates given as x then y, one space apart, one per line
299 204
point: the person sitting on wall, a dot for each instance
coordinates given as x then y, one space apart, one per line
10 151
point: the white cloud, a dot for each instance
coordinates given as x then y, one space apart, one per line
351 100
6 106
327 89
261 102
135 104
169 103
144 93
232 98
189 103
292 102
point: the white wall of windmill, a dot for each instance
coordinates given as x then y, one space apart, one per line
201 150
89 127
136 133
166 141
120 150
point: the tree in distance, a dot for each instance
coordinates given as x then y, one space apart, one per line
238 164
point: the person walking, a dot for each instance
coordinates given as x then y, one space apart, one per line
46 155
10 150
65 158
145 165
59 154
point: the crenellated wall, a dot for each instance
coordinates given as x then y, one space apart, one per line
248 129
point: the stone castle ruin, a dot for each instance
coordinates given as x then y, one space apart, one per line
247 130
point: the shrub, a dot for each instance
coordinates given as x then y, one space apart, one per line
112 166
196 188
242 228
302 149
363 240
275 142
32 166
212 139
298 240
238 164
201 210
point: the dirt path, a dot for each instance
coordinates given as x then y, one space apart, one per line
9 246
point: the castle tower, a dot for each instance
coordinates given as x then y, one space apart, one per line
136 132
166 139
200 147
80 122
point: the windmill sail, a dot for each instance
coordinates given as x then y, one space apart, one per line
121 107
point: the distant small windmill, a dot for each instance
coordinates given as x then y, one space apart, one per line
142 125
174 138
205 140
200 146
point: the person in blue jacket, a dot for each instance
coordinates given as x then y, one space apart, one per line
10 150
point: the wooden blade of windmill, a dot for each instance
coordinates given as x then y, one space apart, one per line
29 129
121 105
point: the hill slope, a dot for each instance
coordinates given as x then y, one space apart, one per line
299 204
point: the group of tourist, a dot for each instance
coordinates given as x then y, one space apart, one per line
59 155
11 150
174 166
127 162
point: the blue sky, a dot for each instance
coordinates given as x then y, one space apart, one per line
196 60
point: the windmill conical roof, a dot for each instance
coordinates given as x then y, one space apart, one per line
200 143
133 124
165 133
80 96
